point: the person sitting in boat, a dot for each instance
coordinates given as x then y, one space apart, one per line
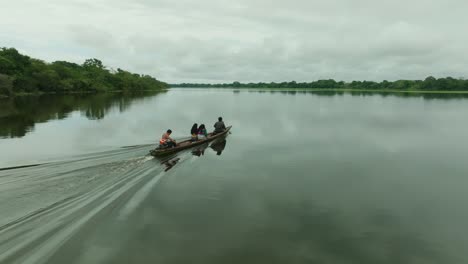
166 140
202 134
194 132
219 126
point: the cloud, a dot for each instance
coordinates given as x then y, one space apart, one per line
247 40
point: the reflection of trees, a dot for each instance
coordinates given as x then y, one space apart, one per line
309 235
402 94
18 115
15 126
276 229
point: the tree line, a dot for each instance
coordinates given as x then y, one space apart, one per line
21 74
428 84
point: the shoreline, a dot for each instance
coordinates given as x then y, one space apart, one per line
330 90
2 96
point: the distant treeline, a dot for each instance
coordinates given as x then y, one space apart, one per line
22 74
429 84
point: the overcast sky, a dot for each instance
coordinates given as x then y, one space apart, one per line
247 40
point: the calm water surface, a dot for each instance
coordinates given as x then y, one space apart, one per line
303 178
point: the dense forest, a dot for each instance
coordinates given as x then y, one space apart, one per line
22 74
429 84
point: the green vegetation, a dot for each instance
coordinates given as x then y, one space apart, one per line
430 84
22 74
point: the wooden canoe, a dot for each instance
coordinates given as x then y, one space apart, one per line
157 152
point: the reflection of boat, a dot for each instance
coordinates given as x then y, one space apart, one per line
187 144
170 163
219 146
199 151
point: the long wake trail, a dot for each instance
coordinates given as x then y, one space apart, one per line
45 205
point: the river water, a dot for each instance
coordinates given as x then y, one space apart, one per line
302 178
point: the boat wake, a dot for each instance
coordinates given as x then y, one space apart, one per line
48 208
44 205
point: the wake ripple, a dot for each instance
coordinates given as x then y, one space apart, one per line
69 195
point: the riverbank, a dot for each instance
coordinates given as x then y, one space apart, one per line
428 84
370 91
332 90
23 94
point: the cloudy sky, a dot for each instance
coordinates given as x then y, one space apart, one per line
247 40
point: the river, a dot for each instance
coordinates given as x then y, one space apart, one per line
303 178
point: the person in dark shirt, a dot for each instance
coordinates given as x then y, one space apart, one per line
194 132
219 126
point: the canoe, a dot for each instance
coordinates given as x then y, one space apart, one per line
157 152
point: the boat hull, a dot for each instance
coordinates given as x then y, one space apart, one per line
188 144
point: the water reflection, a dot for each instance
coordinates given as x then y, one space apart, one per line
324 232
19 115
364 186
170 161
364 93
218 146
200 151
